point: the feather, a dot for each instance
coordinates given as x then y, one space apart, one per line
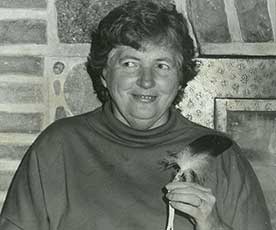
194 161
191 167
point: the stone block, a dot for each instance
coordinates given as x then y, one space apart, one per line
13 152
78 91
209 20
20 93
254 20
76 19
27 65
23 4
58 67
23 31
20 122
60 113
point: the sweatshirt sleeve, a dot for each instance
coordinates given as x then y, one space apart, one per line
35 199
240 199
24 207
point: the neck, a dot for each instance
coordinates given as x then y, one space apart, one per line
141 124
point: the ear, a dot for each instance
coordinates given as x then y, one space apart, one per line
103 77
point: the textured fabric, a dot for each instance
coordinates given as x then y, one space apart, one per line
91 172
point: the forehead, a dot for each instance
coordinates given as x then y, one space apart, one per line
148 51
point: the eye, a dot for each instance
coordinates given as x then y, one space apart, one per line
163 66
129 64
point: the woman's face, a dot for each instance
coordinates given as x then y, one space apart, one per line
142 84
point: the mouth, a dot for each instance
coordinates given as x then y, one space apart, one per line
144 98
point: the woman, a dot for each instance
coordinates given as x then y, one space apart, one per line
101 170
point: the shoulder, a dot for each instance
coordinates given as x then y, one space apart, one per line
207 138
236 169
182 121
239 192
66 130
231 159
69 125
234 157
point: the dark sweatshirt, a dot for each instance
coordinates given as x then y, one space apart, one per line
91 172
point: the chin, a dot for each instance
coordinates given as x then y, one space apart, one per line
141 125
145 122
144 115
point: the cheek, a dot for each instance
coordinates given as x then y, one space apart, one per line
119 85
170 86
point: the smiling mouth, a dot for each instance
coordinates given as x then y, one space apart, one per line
144 98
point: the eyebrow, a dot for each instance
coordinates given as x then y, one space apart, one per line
136 58
165 59
129 57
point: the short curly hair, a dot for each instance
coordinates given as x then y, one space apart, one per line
136 22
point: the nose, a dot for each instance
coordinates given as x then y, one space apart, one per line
146 78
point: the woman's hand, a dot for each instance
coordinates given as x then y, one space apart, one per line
198 202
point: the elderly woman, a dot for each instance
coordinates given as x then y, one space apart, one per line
102 170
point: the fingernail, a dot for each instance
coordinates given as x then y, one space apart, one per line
168 187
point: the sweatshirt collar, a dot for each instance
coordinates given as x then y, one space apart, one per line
107 125
176 129
129 134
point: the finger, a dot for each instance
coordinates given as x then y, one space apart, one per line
204 205
207 196
186 208
174 185
185 198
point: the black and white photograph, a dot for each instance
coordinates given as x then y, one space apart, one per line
137 114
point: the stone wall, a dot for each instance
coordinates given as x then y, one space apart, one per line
44 45
211 20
